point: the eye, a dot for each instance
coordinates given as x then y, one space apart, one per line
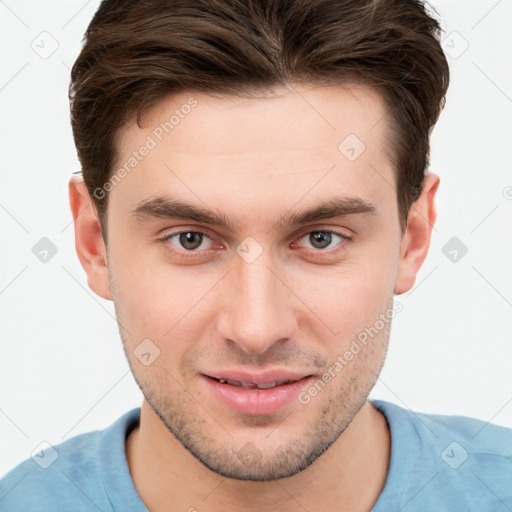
325 238
190 241
195 243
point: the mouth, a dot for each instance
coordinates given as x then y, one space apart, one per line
264 397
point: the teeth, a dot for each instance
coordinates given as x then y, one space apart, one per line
268 385
250 385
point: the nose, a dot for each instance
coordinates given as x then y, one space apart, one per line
258 308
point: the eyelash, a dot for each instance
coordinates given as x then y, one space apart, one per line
331 252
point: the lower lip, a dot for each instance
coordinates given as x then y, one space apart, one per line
256 401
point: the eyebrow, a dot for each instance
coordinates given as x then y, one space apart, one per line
170 208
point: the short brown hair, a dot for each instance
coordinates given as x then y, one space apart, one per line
136 52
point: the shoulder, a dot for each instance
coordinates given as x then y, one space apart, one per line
478 435
63 477
475 436
450 460
59 476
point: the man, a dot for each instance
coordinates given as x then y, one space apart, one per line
254 193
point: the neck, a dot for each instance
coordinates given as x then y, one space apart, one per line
349 476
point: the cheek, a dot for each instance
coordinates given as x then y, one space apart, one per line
163 303
350 297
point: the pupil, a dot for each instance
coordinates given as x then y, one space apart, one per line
190 240
320 239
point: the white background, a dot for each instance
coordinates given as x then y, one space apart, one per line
62 368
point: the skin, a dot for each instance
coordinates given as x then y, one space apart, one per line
297 306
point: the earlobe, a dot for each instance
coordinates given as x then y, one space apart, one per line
89 243
416 239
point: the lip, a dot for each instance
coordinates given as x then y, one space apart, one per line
254 401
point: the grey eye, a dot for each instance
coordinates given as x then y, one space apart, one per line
322 239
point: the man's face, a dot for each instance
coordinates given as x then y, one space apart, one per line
258 293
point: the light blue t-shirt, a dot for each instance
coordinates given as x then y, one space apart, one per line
438 463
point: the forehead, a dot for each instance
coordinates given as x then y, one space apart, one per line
315 117
298 142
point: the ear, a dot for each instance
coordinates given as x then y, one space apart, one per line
416 239
89 243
